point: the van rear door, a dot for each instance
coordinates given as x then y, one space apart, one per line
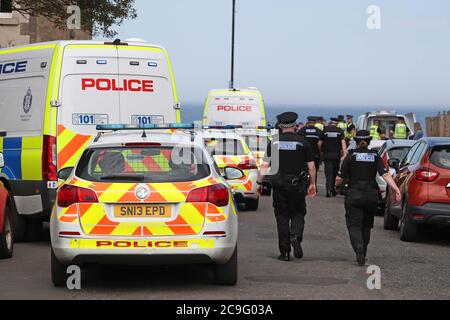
89 96
234 108
150 96
410 119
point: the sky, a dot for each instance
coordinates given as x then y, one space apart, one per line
305 52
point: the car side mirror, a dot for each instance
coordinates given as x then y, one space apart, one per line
232 173
394 164
64 174
2 161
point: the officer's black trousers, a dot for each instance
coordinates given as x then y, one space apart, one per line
360 207
290 211
331 172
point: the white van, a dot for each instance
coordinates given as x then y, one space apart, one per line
387 119
52 96
234 107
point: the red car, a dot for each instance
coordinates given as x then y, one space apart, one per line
423 177
6 230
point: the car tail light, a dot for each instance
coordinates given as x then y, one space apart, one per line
49 159
385 160
216 194
427 175
69 195
247 165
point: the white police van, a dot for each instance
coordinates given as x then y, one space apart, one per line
52 96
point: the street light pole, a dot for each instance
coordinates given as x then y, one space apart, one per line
232 45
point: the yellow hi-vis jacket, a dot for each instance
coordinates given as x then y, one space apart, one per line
374 132
319 126
400 131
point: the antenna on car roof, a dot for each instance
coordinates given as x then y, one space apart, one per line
144 134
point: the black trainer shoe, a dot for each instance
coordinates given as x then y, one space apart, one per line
298 250
360 256
285 257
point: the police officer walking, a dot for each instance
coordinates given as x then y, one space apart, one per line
359 169
313 135
291 160
333 148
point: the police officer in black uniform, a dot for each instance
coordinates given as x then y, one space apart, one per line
291 163
333 148
313 135
359 170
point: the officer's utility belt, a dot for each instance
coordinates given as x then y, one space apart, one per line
363 185
295 182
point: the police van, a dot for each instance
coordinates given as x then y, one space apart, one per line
234 107
241 108
52 96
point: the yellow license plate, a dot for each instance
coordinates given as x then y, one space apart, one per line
143 211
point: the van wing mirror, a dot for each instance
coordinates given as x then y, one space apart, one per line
64 174
394 164
2 160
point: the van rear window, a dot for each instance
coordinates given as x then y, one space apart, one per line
440 156
225 147
143 164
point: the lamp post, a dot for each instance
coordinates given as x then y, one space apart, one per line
232 44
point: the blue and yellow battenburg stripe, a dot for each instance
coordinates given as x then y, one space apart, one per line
23 157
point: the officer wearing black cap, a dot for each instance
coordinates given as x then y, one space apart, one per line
359 170
351 128
313 136
292 175
333 148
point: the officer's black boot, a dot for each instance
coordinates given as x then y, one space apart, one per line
298 250
360 256
286 256
328 193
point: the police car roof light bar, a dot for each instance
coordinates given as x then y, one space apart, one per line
128 127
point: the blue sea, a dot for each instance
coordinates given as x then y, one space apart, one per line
191 112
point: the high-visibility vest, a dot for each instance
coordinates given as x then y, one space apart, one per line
400 131
374 132
319 126
347 134
343 126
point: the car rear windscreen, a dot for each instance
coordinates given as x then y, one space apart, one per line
143 164
224 147
440 156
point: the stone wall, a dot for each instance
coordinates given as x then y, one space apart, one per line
17 29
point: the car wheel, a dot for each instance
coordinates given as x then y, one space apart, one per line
59 272
408 229
20 226
390 221
7 236
34 230
252 204
226 275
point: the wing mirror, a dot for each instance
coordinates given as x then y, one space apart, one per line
64 174
2 161
394 164
232 173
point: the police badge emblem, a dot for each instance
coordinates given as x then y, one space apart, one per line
27 101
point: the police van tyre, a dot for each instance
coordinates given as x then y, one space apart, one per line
7 236
251 204
408 229
226 275
19 226
390 221
34 230
59 272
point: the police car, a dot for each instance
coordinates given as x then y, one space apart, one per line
229 149
149 193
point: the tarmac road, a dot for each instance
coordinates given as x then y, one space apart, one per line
328 271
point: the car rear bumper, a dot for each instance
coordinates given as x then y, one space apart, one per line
431 213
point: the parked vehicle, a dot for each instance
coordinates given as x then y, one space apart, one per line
6 220
424 179
387 119
391 149
52 97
